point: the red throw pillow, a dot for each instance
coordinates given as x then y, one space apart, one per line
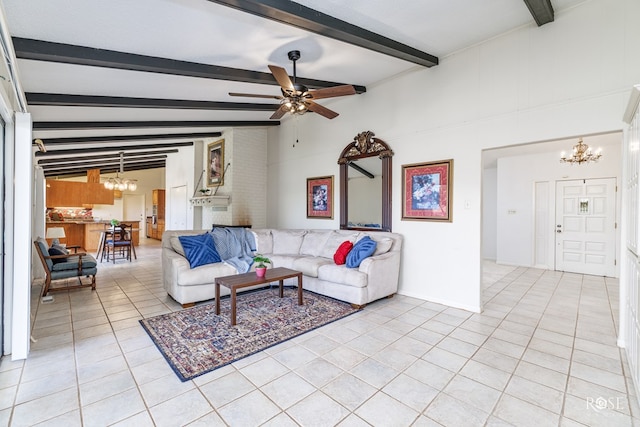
340 257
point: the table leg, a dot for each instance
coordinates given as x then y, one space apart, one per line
300 289
217 298
281 288
233 306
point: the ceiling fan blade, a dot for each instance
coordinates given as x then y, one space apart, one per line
255 95
282 78
279 112
323 111
330 92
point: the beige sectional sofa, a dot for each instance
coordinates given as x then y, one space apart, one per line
308 251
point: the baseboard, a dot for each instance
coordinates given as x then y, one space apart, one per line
452 304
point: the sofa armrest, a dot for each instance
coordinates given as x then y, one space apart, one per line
171 261
382 272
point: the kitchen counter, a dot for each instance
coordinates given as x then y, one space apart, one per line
86 233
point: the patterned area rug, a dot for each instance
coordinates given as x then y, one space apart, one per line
196 341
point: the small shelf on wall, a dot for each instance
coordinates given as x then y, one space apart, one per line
213 201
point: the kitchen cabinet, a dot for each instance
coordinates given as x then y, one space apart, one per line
158 197
76 194
154 231
149 226
73 231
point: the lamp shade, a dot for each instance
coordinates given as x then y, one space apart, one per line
55 233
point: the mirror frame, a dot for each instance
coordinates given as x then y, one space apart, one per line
365 145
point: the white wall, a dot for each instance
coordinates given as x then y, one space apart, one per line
567 78
181 169
489 213
515 183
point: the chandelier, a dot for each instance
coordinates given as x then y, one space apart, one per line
581 154
118 183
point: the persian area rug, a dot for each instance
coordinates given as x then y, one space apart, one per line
195 341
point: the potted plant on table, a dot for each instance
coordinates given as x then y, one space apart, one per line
260 261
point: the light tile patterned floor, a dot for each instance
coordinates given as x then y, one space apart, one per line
543 353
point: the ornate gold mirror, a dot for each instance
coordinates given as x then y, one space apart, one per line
365 184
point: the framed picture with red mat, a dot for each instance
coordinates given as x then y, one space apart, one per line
427 191
320 197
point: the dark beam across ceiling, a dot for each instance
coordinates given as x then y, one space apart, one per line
299 16
82 171
100 163
542 11
120 138
110 149
40 50
151 124
59 100
105 157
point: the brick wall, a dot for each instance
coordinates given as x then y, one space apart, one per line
244 181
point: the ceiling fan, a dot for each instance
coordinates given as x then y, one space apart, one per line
297 98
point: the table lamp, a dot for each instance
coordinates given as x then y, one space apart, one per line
55 233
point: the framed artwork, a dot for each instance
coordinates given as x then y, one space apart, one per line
215 163
427 190
320 197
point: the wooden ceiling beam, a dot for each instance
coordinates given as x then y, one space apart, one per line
153 124
541 10
40 50
62 100
121 138
112 149
299 16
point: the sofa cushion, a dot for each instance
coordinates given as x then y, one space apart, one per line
342 275
204 274
287 241
334 241
176 245
340 257
284 260
309 265
313 242
383 244
363 248
199 250
264 241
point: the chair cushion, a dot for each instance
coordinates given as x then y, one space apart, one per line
44 248
57 250
199 249
71 263
363 248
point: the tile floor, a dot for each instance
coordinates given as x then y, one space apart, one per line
542 353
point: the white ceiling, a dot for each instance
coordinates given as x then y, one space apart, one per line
204 32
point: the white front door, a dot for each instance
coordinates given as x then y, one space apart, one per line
585 226
133 209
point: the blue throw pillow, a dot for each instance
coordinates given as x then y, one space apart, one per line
199 250
57 250
363 248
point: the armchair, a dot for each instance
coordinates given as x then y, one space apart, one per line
59 267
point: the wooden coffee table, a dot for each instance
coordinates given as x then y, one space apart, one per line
238 281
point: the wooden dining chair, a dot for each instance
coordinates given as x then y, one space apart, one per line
120 241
